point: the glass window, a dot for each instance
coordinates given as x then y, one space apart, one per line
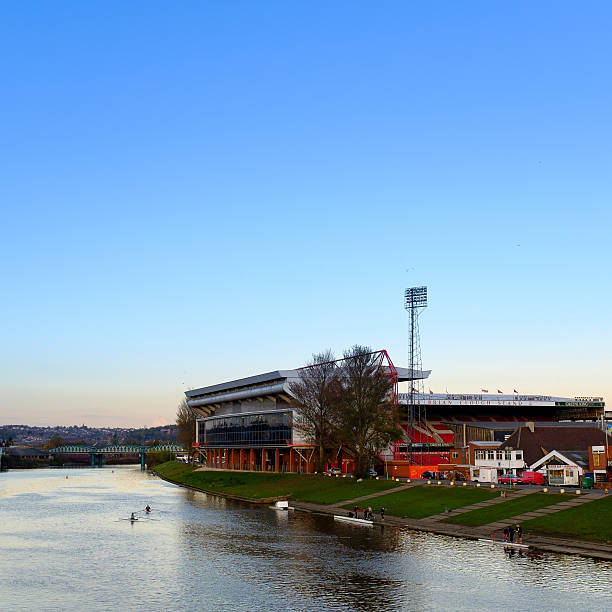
265 429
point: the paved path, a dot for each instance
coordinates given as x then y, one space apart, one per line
483 504
346 502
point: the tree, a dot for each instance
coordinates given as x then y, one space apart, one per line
366 415
53 442
186 423
314 398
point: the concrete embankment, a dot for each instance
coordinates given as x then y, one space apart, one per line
535 541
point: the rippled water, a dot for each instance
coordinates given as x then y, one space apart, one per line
63 546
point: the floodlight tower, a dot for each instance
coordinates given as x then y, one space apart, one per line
415 299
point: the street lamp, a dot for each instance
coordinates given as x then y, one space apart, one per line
509 455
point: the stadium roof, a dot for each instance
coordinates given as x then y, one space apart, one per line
404 374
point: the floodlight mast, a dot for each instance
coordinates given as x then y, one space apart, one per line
415 299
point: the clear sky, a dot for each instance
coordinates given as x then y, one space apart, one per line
194 192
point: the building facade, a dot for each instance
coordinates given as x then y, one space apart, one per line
248 424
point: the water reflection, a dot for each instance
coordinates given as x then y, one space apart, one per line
63 544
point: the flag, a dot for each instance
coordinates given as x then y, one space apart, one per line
499 391
515 391
485 390
430 392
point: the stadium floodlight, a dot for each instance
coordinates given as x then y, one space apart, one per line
415 297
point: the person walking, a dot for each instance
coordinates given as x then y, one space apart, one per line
519 533
382 513
511 534
356 511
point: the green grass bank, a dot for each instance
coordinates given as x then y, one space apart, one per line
504 510
590 521
314 488
423 500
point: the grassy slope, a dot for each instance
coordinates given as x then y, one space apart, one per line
257 485
504 510
422 500
590 521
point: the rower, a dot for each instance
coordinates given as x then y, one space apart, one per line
133 518
148 508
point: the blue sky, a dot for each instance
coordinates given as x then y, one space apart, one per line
197 192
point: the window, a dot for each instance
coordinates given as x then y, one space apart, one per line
491 455
479 454
455 455
519 455
264 429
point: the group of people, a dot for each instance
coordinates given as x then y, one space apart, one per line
512 532
366 513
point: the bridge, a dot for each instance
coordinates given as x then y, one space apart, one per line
97 452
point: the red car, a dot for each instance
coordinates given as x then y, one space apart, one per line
508 479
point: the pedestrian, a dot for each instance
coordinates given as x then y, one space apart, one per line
506 532
382 514
356 511
511 533
519 533
369 512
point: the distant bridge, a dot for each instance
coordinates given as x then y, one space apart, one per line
97 452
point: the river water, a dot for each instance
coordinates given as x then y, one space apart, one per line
65 545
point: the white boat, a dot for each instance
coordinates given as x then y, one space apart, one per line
355 521
281 505
503 543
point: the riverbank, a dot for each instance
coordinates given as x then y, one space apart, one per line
331 496
263 487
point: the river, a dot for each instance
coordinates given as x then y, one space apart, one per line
65 545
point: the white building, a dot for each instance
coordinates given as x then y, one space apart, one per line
505 461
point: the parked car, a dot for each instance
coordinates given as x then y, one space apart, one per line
334 471
372 472
427 475
532 478
508 479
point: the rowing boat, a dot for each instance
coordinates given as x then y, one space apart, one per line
353 520
504 543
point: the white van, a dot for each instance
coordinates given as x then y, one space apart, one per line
483 474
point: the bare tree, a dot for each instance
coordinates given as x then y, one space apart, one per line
186 423
366 418
315 399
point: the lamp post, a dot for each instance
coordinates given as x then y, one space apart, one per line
509 454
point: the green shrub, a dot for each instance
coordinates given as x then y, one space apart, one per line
156 457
